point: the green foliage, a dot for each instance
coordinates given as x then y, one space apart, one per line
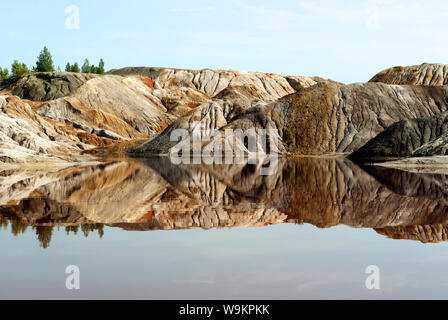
44 61
100 69
93 69
45 64
18 69
75 67
298 87
4 73
86 66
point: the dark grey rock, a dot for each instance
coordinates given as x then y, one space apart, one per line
406 138
49 86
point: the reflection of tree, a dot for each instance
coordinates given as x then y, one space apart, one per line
73 229
101 230
87 228
44 234
18 227
3 222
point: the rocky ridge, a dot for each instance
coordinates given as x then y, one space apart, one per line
328 117
312 116
212 82
415 136
426 74
97 111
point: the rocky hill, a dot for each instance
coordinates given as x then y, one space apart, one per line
88 111
46 86
330 117
26 137
426 74
421 137
326 118
212 82
414 136
312 116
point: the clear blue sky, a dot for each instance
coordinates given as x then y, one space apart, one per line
348 41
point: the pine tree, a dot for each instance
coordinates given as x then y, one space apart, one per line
100 69
75 67
4 73
68 67
44 61
18 69
85 67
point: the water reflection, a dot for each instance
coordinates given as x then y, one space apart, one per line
153 194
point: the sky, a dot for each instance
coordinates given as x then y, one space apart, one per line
348 41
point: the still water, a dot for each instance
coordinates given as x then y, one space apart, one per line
146 229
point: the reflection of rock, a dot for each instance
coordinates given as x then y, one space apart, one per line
42 211
153 194
233 187
122 192
18 184
332 192
415 185
108 193
426 234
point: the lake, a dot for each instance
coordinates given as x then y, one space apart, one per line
148 229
